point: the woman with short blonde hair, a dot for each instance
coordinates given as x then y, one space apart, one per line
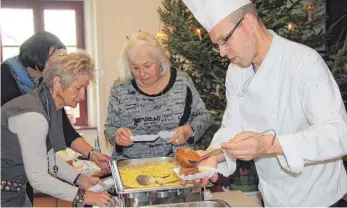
32 133
19 76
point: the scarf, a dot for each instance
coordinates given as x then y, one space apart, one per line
55 133
24 81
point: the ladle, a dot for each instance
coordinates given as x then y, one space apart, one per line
189 158
212 153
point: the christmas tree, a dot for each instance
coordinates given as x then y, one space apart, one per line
338 66
191 49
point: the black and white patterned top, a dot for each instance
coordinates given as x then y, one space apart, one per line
178 104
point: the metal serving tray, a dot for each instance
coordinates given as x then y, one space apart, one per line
208 203
122 189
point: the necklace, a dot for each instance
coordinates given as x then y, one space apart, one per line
55 167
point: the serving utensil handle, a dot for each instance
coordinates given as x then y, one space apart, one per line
213 153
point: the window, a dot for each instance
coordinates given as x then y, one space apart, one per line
20 19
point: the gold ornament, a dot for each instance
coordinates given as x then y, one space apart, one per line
161 35
291 26
198 31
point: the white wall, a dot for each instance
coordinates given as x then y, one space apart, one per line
107 23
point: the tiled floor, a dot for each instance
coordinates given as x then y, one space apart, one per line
47 201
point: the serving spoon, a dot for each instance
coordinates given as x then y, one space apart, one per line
189 158
212 153
145 180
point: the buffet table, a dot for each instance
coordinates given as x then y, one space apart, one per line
233 198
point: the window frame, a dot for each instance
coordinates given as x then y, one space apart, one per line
38 7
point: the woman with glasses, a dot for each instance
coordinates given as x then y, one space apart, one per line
152 97
276 84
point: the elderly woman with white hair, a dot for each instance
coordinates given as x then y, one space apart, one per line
151 97
32 133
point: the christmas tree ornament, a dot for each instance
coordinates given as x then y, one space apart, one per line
160 35
198 31
309 8
291 26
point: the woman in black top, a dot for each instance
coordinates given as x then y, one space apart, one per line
19 76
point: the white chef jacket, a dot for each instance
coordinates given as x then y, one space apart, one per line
294 93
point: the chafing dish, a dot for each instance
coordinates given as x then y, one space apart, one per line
133 197
208 203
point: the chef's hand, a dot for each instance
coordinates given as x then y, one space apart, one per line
181 136
101 199
102 161
122 137
211 162
247 149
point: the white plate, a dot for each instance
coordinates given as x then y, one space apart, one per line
152 137
206 171
166 134
144 138
109 183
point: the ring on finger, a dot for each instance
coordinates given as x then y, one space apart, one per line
107 203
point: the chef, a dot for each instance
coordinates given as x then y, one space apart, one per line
274 83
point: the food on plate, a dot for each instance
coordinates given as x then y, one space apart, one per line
190 174
188 171
206 169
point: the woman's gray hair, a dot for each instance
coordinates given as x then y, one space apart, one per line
68 66
153 49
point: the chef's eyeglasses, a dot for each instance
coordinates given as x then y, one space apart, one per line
223 42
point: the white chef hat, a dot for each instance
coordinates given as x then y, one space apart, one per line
210 12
